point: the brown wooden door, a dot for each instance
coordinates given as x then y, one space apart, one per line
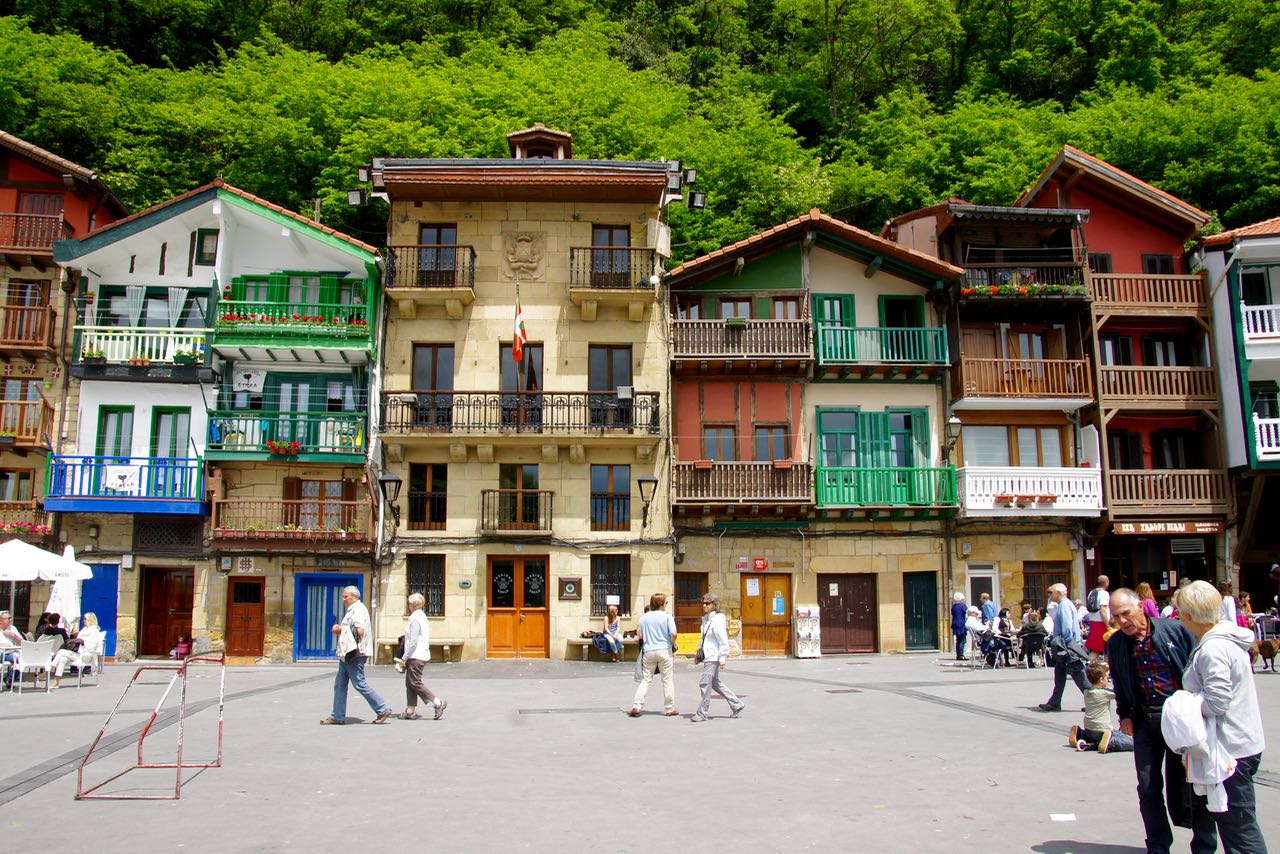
766 613
518 619
244 616
848 613
690 588
167 600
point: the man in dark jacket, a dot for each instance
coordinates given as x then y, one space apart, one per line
1147 657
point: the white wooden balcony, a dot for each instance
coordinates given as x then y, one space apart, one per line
1261 327
1266 439
1017 491
117 345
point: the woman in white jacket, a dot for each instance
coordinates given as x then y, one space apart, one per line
1220 673
714 646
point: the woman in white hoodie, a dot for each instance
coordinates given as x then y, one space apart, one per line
714 647
1219 672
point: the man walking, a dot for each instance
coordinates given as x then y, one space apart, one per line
1064 643
657 632
1147 658
354 645
1097 614
417 652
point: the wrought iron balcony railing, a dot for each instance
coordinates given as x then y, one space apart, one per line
441 265
612 267
546 412
516 510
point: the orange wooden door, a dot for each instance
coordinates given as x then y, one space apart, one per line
690 587
518 621
245 601
766 613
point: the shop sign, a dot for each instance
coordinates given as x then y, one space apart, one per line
246 565
744 563
761 564
1170 527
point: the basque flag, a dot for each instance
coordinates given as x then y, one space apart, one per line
520 337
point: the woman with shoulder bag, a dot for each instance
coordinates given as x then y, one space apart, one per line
713 652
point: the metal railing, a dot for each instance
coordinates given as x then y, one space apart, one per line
430 265
299 319
1026 273
27 421
886 486
427 510
123 344
32 232
880 345
1136 291
1025 378
1266 438
610 511
510 510
547 412
736 338
24 520
612 267
27 326
720 481
1043 490
1164 490
1138 383
322 432
179 478
305 519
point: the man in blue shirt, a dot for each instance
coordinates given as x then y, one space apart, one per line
657 631
1064 643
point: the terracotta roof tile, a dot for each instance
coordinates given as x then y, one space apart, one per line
1265 228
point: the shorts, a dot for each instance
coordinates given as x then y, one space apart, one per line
1096 641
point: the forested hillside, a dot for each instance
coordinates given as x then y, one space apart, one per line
863 108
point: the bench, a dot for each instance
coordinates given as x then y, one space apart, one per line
586 646
384 651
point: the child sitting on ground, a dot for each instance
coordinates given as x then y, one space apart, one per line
1097 731
183 649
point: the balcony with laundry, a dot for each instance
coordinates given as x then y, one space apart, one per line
139 332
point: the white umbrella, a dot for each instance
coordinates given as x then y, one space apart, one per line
16 565
21 561
65 567
64 600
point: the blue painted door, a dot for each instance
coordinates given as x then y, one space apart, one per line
100 596
317 605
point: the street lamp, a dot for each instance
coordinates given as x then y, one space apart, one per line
357 197
648 487
390 485
954 426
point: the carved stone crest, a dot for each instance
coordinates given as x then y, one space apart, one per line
523 253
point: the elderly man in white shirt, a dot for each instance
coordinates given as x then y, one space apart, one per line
10 640
417 652
355 642
715 651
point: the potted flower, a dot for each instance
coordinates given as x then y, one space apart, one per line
186 357
93 356
283 449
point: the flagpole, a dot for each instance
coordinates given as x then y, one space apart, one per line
519 363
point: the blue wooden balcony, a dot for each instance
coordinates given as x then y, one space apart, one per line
155 485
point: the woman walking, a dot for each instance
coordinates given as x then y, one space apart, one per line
715 651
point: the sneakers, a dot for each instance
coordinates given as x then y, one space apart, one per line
331 721
1082 745
738 711
697 719
1047 707
439 712
634 713
410 717
1104 743
383 718
1073 736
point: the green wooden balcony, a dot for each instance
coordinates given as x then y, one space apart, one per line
886 487
877 352
291 324
286 436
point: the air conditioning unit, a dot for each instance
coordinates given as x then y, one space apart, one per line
625 392
1186 546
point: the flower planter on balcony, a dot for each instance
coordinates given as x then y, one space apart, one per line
782 464
184 360
735 322
93 360
704 464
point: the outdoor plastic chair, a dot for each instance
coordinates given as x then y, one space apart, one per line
35 657
90 656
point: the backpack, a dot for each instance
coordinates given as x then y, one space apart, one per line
1091 601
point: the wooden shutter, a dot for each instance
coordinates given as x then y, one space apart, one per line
278 287
329 291
764 308
292 493
978 342
349 513
873 440
191 255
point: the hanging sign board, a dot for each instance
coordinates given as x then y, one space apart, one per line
249 380
1170 527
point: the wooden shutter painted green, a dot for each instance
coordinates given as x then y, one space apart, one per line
763 308
278 288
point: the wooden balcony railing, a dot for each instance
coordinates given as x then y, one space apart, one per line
1137 384
1167 490
728 482
292 319
426 265
118 345
912 487
21 232
748 339
856 345
173 478
1028 273
1266 438
516 510
1032 378
1030 491
1120 291
1261 322
315 432
312 520
23 520
27 326
25 422
545 412
612 267
427 510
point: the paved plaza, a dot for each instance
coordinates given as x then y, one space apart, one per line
869 753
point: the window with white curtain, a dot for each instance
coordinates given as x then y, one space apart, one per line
985 445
